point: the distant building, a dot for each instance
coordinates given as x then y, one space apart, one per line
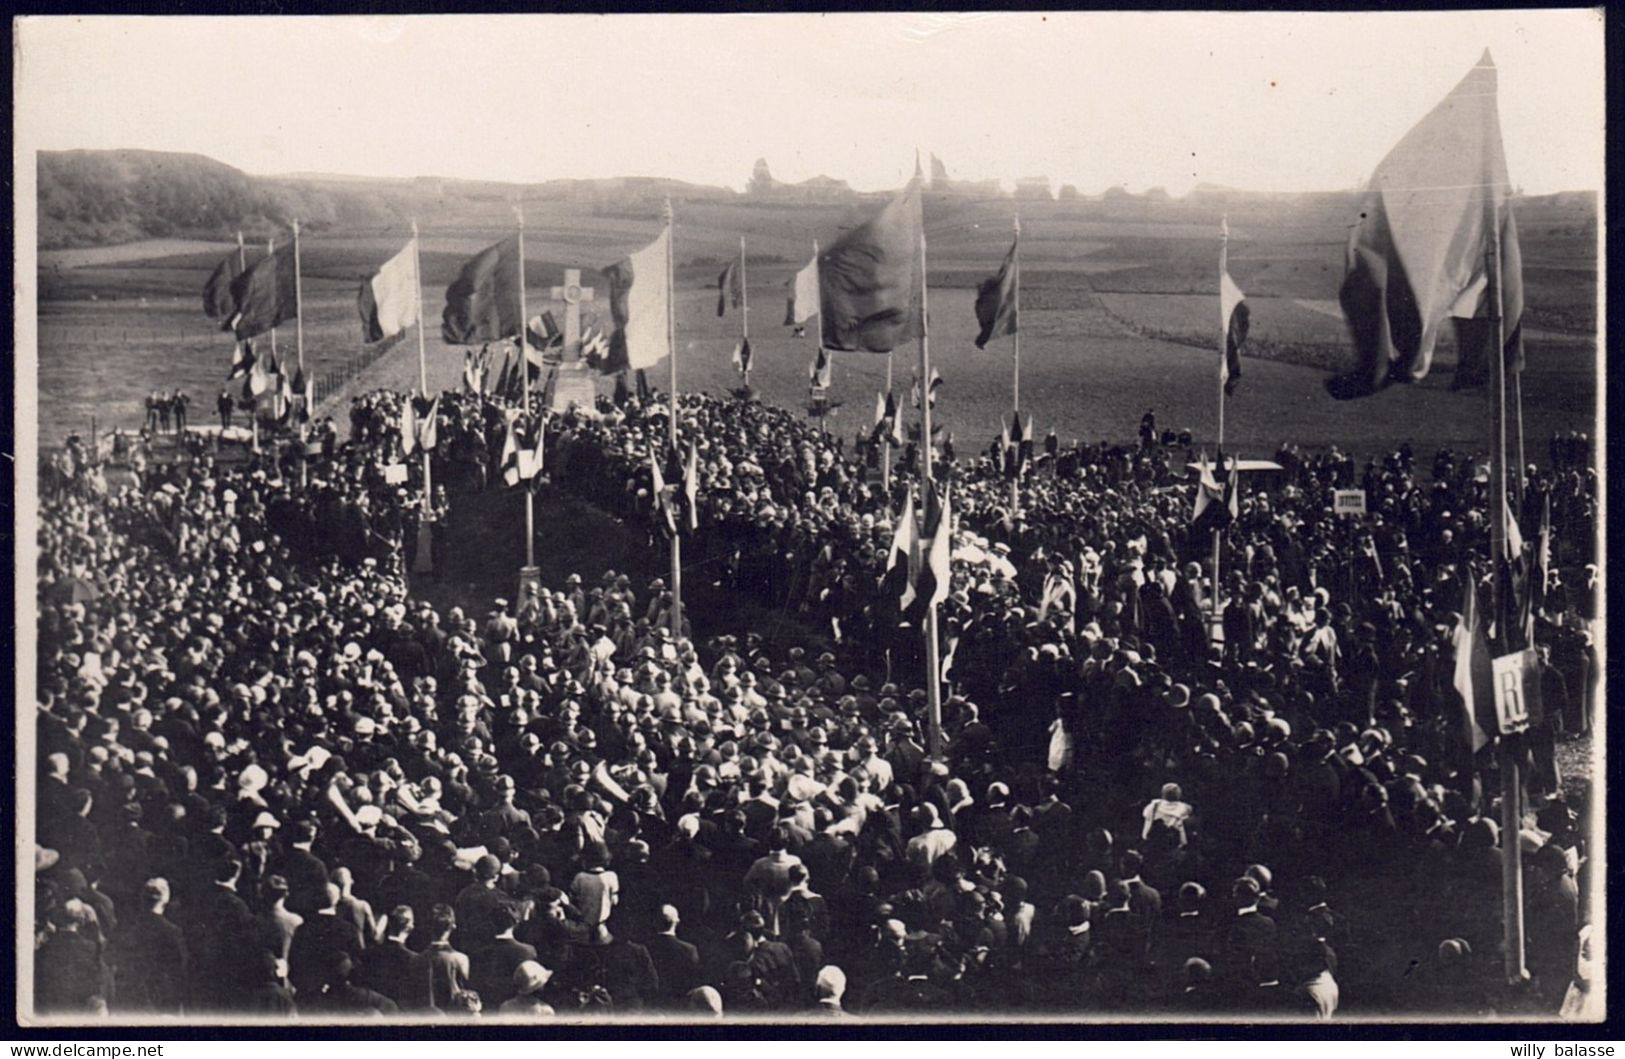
761 179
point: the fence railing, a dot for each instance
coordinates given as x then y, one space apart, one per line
331 381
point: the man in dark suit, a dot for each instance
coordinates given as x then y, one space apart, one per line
1143 899
385 967
310 957
1250 936
305 872
149 957
676 961
491 965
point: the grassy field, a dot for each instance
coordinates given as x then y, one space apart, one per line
1118 309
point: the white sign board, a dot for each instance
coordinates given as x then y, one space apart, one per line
395 474
1348 502
1512 693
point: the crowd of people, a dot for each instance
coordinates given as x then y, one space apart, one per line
273 782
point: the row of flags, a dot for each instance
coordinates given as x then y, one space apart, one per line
1436 210
675 490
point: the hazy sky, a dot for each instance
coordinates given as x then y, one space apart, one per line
1267 102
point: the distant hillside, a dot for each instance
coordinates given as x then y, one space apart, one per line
101 198
106 198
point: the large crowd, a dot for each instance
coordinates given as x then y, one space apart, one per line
273 782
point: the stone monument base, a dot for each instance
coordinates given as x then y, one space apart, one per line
575 386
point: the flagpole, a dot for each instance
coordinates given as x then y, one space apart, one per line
242 253
1224 338
299 346
270 248
885 438
744 305
1015 388
933 688
1511 780
671 421
423 386
529 574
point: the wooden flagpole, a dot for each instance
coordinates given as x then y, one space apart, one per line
529 575
744 306
1511 780
425 554
671 422
1015 386
299 347
1224 339
933 669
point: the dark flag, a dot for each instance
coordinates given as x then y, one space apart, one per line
622 394
263 296
544 331
482 303
869 280
729 288
645 395
742 355
996 300
1417 254
218 304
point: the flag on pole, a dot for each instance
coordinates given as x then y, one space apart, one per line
388 302
1541 575
482 303
428 433
594 345
1417 253
218 304
819 371
869 280
803 300
691 488
936 573
897 582
880 410
242 359
730 288
262 376
409 425
264 295
1473 678
544 331
889 427
742 355
1234 317
660 493
1216 507
1018 444
996 300
638 300
939 172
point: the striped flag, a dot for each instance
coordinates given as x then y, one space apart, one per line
1473 678
388 302
819 371
1416 256
218 303
1216 507
660 493
935 576
742 355
802 304
1233 320
428 428
898 582
639 301
409 425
